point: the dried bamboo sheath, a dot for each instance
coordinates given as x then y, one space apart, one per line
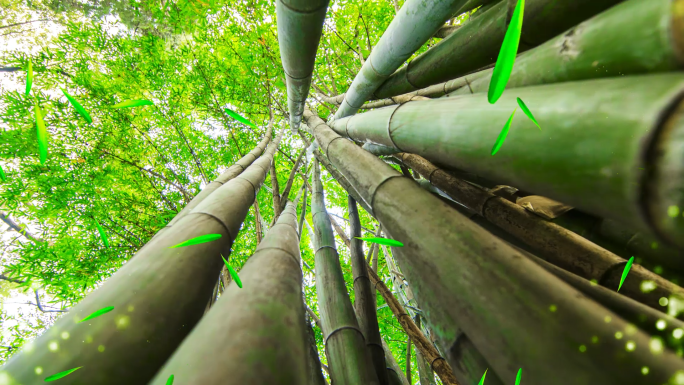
254 334
462 275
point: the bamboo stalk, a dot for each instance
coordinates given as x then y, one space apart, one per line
606 182
263 319
396 45
408 360
344 341
478 42
462 275
394 373
300 24
158 296
275 190
558 245
364 303
288 185
425 374
314 363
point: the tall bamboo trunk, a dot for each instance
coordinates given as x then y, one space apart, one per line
344 341
364 303
625 168
477 43
254 334
394 373
462 275
288 185
275 189
300 24
158 297
314 362
425 373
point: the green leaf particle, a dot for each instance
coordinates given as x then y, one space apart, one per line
103 235
239 118
78 107
503 134
42 134
2 174
625 272
133 103
29 78
483 377
98 313
506 58
518 377
382 241
170 380
61 374
197 240
527 112
232 273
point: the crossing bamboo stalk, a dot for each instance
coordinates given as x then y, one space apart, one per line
462 275
288 185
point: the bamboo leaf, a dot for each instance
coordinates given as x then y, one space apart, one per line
29 78
628 266
506 59
197 240
239 118
78 107
503 134
382 241
527 112
2 174
61 374
97 313
518 377
232 273
133 103
482 380
42 134
170 380
103 235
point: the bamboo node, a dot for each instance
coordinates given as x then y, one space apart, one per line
325 343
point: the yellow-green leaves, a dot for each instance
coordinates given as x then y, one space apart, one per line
61 374
78 107
42 134
503 134
29 78
170 380
3 177
239 118
625 272
527 112
98 313
103 235
133 103
197 240
483 378
518 377
382 241
232 273
506 59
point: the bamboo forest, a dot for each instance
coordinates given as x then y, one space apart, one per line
342 192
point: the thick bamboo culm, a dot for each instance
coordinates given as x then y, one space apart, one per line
610 183
314 362
176 283
462 275
558 245
477 43
364 303
254 334
345 346
300 25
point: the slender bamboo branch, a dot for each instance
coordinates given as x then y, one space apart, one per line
25 22
286 192
20 229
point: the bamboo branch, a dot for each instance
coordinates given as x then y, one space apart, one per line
26 22
286 192
20 229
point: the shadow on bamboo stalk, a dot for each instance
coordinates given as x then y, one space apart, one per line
462 275
157 297
254 334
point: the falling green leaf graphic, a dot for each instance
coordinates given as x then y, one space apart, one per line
61 374
233 273
103 235
503 134
133 103
483 378
518 377
527 112
42 134
239 118
625 272
2 174
98 313
170 380
197 240
29 78
78 107
506 58
382 241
